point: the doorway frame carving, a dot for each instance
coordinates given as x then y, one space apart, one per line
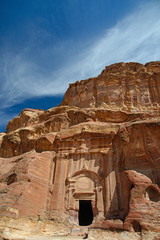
95 195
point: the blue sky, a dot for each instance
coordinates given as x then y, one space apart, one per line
45 45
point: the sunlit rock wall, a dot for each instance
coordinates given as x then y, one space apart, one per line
101 145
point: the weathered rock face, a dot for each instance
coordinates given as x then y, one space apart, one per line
94 160
130 87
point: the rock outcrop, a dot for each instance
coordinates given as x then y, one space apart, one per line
92 161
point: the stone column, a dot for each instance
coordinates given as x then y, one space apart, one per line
58 194
100 204
110 192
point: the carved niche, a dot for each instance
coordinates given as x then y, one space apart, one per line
84 185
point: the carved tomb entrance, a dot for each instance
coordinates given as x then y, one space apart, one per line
84 198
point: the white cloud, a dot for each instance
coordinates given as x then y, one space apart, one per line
134 38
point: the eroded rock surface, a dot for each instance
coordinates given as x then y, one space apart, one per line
93 160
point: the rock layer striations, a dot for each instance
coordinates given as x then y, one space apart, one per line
100 148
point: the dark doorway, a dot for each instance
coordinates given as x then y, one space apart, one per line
85 212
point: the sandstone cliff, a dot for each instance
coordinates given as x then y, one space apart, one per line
100 146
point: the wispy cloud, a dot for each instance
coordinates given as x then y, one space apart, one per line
134 38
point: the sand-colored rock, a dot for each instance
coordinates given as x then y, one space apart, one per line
93 160
130 87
